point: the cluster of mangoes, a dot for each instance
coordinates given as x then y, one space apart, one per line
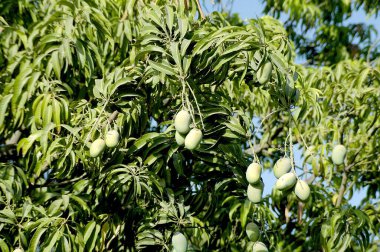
287 179
110 140
184 135
253 233
179 242
256 185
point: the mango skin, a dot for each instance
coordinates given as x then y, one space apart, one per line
259 247
97 147
282 166
264 72
112 138
253 173
338 154
253 231
302 190
180 138
255 192
286 181
193 139
179 242
182 122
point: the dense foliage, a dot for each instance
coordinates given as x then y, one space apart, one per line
323 31
71 71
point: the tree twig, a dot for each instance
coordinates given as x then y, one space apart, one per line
342 188
287 217
299 212
200 10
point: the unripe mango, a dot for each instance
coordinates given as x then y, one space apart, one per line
180 138
182 122
308 155
253 173
97 147
264 73
302 190
259 247
282 166
193 139
286 181
179 242
338 154
253 231
255 192
112 138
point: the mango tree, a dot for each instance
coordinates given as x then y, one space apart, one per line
129 125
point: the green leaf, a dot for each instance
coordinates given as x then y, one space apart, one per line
56 235
169 17
81 202
26 143
54 207
94 238
3 246
278 61
88 231
183 24
36 239
244 211
162 67
235 126
233 209
142 141
152 158
174 50
4 101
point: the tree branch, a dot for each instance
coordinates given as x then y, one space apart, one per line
299 212
111 118
286 213
342 188
200 10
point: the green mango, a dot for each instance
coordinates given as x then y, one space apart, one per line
97 147
253 173
255 192
338 154
286 181
193 139
253 231
179 242
282 166
259 247
265 72
302 190
182 122
180 138
112 138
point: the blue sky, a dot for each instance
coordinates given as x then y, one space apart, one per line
252 9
